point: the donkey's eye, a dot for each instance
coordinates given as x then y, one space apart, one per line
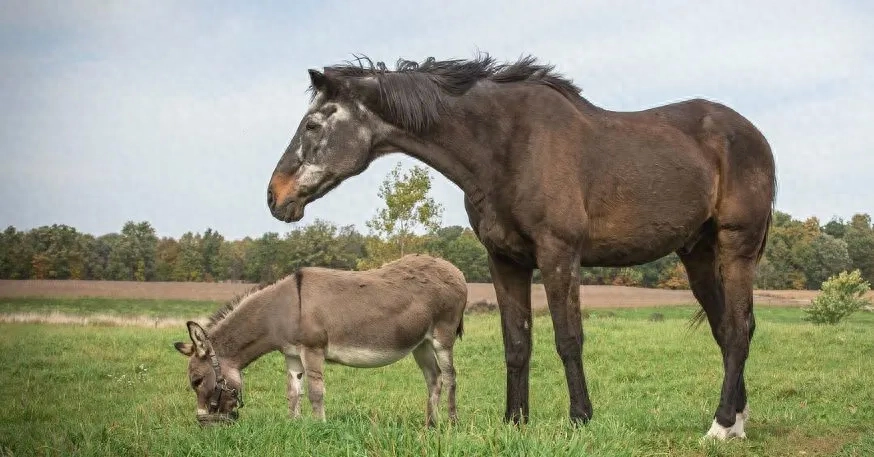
196 383
312 125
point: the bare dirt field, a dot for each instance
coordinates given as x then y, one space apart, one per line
591 296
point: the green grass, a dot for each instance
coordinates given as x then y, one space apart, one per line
76 390
108 306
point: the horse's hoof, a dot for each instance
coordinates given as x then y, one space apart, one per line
721 433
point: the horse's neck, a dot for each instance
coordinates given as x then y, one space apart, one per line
246 333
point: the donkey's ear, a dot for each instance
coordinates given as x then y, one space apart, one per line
198 336
318 80
185 349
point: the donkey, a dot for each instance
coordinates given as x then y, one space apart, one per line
360 319
552 181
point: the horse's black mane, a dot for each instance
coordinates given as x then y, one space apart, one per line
226 309
413 94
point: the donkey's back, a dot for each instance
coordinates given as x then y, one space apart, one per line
376 317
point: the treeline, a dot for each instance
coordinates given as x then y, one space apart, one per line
800 254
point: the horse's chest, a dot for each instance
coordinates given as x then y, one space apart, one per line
504 240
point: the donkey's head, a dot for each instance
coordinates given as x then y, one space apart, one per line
335 140
217 388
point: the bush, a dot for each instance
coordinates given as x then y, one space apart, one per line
841 296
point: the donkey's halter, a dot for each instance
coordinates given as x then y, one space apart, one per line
221 385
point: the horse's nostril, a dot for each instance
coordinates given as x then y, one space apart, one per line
270 199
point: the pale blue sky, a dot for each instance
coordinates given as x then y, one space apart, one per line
176 112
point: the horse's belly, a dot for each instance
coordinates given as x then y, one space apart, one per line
364 357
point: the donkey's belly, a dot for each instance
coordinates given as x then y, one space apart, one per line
364 357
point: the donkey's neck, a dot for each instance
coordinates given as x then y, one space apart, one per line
249 330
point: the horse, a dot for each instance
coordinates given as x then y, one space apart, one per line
552 181
363 319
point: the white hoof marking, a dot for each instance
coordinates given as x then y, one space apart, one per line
723 433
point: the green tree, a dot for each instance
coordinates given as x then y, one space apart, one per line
407 208
860 245
323 244
822 258
266 260
15 255
210 248
166 256
99 254
461 247
189 261
841 295
58 252
133 255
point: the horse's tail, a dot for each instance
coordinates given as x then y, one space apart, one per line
700 315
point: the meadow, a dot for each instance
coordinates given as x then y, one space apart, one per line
122 390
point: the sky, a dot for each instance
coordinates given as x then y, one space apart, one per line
176 113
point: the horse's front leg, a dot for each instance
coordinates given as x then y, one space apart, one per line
295 379
313 363
513 289
560 266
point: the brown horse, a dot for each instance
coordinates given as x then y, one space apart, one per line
553 182
361 319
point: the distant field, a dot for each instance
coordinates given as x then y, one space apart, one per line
591 296
84 390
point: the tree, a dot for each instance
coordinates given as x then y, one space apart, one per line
189 261
166 256
407 208
841 296
823 257
266 260
461 247
133 255
58 252
210 248
860 245
322 244
15 254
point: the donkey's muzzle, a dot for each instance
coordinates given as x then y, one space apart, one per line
208 420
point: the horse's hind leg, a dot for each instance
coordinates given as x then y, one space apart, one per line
721 269
427 361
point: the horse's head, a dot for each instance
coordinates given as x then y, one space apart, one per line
335 140
217 388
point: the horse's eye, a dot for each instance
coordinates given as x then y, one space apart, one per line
196 383
312 125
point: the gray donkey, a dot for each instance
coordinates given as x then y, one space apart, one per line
361 319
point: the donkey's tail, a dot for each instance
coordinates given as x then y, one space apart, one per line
459 332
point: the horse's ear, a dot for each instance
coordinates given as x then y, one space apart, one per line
318 80
198 336
365 89
185 349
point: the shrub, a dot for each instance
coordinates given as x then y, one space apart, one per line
841 296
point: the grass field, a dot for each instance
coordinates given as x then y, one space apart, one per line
87 390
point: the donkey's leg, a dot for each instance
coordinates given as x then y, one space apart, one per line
425 358
447 371
513 289
295 378
313 363
559 265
